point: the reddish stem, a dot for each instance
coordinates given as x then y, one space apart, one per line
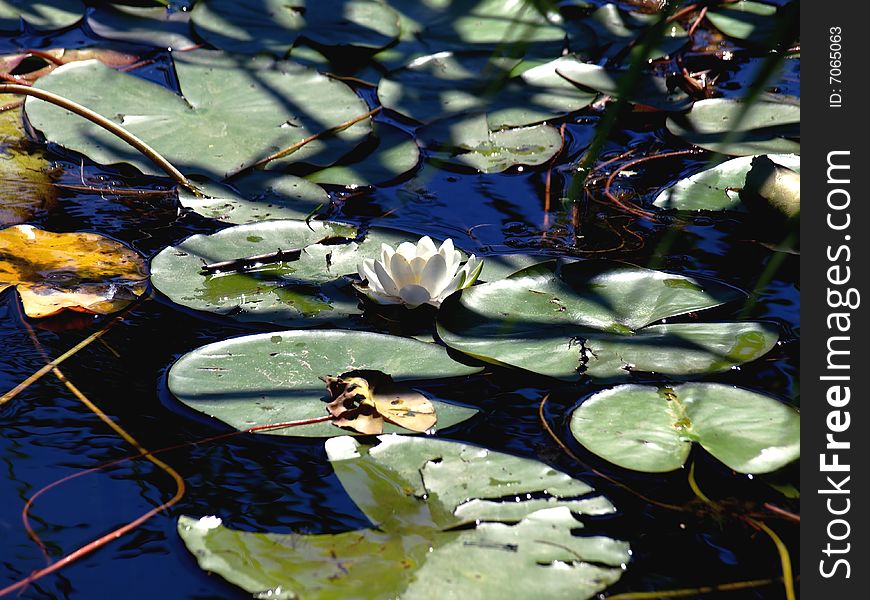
115 534
612 177
45 55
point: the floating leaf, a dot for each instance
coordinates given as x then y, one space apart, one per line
204 131
445 84
772 190
275 25
594 319
256 196
468 142
42 15
482 24
275 377
501 266
26 178
155 26
617 30
84 272
417 492
308 291
716 188
745 20
764 128
363 400
395 154
649 90
652 429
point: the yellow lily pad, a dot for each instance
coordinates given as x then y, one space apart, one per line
26 178
83 272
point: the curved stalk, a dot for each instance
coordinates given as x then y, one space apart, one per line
110 126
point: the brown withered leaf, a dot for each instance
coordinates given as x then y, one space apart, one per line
83 272
406 408
352 404
363 400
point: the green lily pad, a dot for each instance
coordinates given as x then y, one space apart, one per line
275 25
41 15
486 24
716 188
445 84
745 20
395 155
416 491
506 27
652 429
154 26
26 177
501 266
256 196
305 292
765 127
233 112
649 90
595 319
272 378
616 29
469 142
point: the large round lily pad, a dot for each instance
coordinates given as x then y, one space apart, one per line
734 127
469 142
518 542
617 29
42 15
596 319
310 290
716 188
649 89
232 113
274 377
256 196
275 25
652 429
444 84
745 20
482 24
152 25
84 272
395 154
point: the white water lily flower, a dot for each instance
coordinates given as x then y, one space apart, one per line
414 275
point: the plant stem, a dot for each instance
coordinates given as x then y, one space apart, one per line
110 126
238 264
71 352
689 592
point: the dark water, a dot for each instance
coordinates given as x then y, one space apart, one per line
284 485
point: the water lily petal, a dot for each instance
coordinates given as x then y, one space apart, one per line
380 298
472 270
386 253
414 295
366 270
448 251
455 283
407 249
385 280
435 275
426 247
400 270
457 260
418 263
